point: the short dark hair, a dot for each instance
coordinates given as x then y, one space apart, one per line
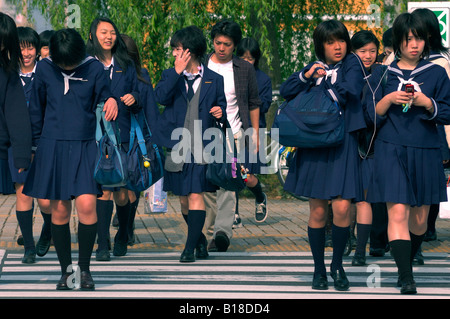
10 55
45 36
327 30
404 23
67 48
432 25
191 38
362 38
387 38
252 46
27 36
227 28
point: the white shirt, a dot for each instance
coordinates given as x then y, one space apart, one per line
226 70
190 76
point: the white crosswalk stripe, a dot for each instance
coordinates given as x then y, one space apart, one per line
246 275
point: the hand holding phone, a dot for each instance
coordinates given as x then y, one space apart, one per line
409 88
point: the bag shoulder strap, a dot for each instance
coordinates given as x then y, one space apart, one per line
107 126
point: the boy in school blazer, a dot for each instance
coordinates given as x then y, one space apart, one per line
191 93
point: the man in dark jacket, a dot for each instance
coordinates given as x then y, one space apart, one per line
243 103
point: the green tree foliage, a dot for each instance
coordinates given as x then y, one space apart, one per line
283 27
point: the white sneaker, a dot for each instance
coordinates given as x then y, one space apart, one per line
261 210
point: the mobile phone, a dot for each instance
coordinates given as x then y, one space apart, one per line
409 88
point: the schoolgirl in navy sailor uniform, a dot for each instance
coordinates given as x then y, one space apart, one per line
106 44
207 104
408 142
366 45
66 91
330 174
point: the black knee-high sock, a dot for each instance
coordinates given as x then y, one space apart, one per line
104 215
185 217
196 220
316 237
62 242
401 250
86 240
416 242
339 237
131 217
432 216
236 210
25 220
363 233
123 213
47 226
257 191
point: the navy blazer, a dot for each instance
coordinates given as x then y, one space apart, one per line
171 93
15 127
265 94
148 103
124 82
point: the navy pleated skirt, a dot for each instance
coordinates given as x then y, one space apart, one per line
366 171
6 183
327 173
407 175
192 179
62 170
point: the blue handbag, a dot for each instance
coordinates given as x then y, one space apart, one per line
144 158
311 120
110 166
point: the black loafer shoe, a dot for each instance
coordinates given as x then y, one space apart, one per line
102 255
62 283
222 241
408 288
358 260
201 251
42 246
187 257
341 282
320 282
120 248
86 281
29 257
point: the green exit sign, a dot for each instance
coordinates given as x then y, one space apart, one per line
442 12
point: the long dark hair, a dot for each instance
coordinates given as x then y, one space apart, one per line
133 52
119 50
10 54
432 25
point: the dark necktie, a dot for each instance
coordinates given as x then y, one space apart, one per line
26 80
190 92
108 71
